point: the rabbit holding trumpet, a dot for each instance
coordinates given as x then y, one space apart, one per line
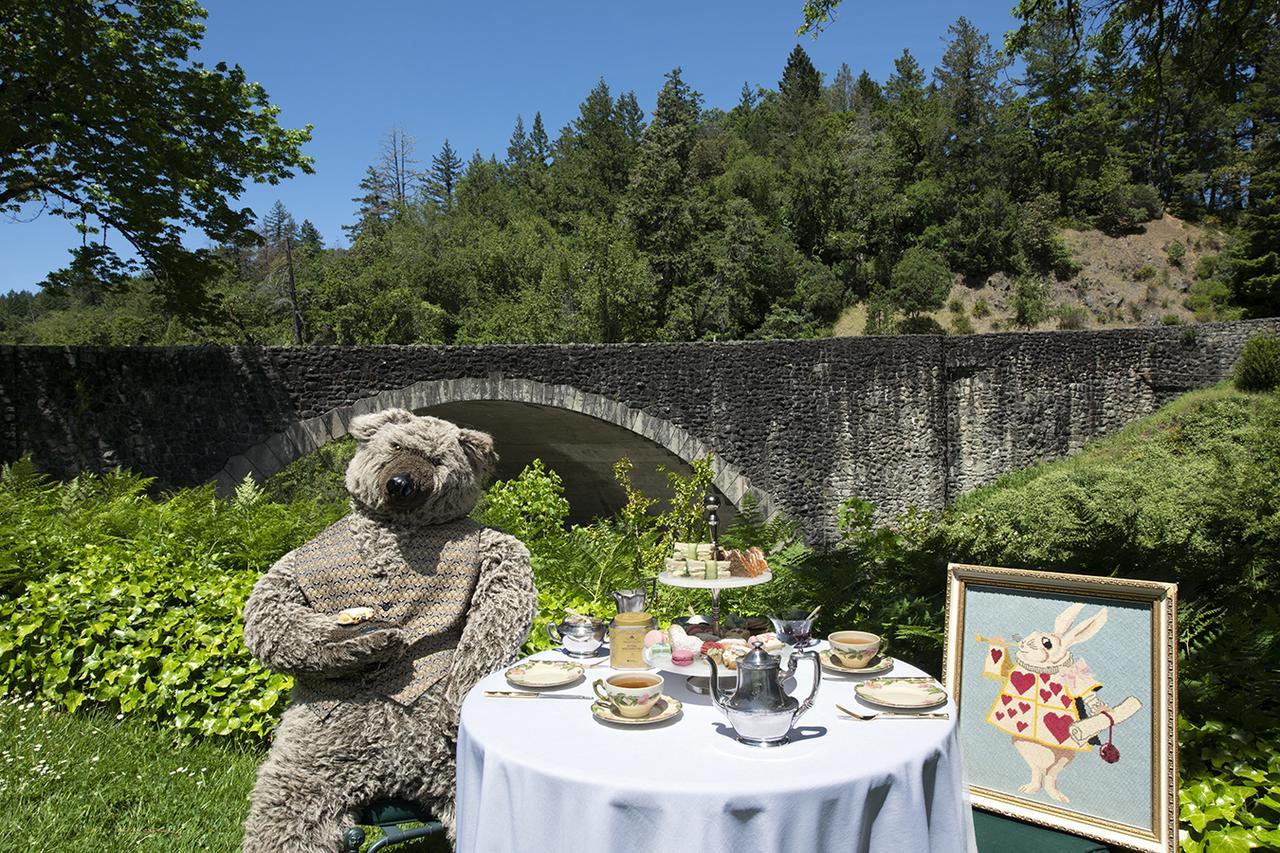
1048 702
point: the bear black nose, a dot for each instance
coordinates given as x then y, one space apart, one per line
400 486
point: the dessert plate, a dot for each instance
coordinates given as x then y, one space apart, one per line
878 664
908 693
664 709
544 673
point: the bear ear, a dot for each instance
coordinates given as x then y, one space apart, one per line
364 427
478 447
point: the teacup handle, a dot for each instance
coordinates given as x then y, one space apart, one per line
884 647
597 687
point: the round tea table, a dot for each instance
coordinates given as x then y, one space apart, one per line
543 774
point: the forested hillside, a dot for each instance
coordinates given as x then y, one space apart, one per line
895 200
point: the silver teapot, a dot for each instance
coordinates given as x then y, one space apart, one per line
580 639
759 710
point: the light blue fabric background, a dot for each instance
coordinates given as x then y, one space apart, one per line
1119 656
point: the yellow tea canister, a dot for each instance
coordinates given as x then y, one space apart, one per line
626 640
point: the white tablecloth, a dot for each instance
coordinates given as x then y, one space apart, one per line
542 775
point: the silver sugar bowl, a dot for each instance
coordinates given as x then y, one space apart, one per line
759 710
580 639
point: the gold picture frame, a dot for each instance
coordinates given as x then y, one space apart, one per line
982 597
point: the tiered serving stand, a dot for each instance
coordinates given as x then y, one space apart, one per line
699 672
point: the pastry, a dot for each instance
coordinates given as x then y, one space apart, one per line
355 615
682 657
653 637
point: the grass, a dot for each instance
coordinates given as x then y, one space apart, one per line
90 783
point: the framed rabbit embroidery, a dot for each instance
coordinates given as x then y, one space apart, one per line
1067 693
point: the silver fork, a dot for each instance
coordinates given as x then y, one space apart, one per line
893 715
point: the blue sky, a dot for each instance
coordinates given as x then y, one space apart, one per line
464 71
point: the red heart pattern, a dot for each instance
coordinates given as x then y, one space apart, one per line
1059 725
1022 727
1006 699
1066 701
1044 676
1022 681
999 715
1044 695
996 654
1056 688
1024 706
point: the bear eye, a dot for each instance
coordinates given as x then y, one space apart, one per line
1047 643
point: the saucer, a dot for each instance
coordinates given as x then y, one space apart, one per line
879 663
544 673
664 709
905 693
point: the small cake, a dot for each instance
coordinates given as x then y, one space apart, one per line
660 649
682 657
653 637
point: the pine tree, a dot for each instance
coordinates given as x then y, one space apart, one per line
631 118
281 233
309 237
840 95
519 148
442 181
799 94
538 141
375 206
867 95
659 206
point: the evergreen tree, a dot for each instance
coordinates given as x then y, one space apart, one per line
867 95
799 93
281 234
442 181
840 95
375 206
538 142
519 148
309 237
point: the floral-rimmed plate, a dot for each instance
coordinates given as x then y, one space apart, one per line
664 709
878 664
909 693
544 673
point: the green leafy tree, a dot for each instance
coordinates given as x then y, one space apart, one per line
920 282
110 123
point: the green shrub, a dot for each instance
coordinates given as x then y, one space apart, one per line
1171 320
920 281
1146 272
980 308
961 325
1211 300
955 306
1258 367
1177 253
1072 317
1206 266
1030 302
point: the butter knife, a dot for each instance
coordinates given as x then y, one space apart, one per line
518 694
894 715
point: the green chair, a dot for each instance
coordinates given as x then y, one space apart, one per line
996 834
387 815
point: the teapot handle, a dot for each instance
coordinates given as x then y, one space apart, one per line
817 680
551 632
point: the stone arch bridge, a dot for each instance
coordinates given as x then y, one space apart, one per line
802 425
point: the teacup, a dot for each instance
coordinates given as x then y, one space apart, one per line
632 694
855 649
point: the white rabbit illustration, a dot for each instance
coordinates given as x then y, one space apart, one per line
1038 702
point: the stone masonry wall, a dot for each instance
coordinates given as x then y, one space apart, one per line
900 421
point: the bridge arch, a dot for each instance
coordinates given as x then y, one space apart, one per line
443 396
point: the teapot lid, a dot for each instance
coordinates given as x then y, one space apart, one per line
758 658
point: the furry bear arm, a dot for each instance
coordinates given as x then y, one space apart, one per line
502 610
287 636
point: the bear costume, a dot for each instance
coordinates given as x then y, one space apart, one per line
443 601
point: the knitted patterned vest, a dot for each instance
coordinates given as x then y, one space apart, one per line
426 592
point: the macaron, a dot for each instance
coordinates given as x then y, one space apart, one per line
654 636
682 657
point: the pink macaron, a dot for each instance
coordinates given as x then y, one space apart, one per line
682 657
